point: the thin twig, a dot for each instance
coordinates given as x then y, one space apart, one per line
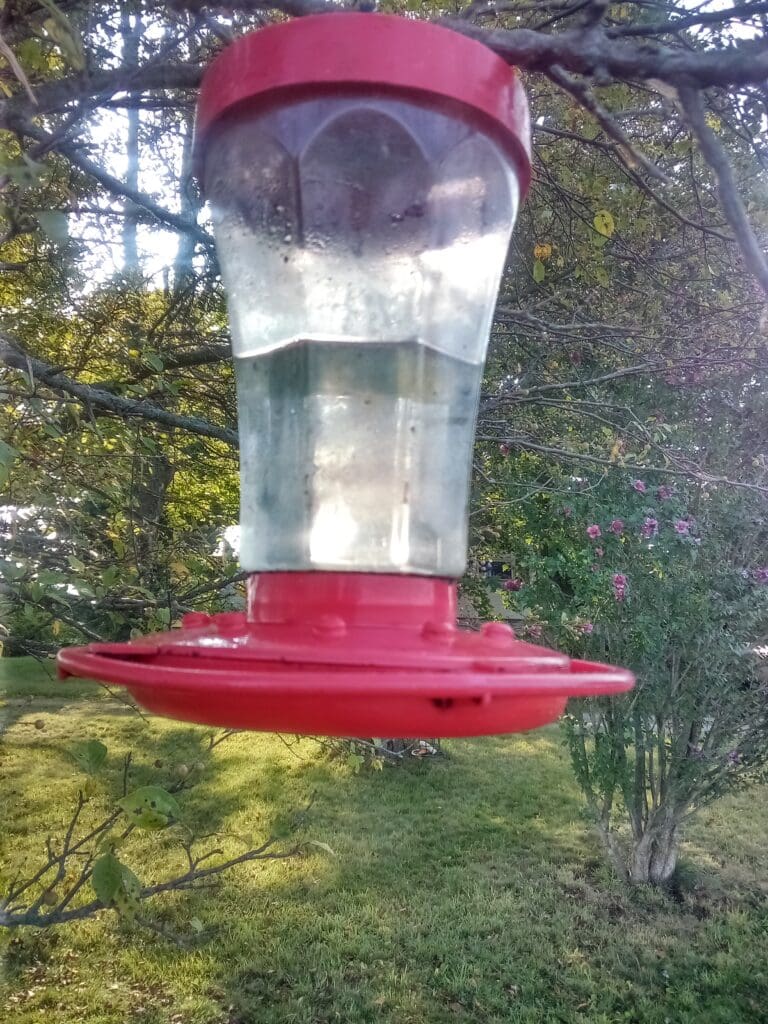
628 153
17 69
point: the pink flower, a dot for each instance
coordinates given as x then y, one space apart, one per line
513 585
534 630
617 526
650 527
587 627
639 486
664 492
734 758
504 449
760 575
683 527
593 531
599 552
620 581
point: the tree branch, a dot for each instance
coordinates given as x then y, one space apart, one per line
595 54
16 358
730 200
562 453
630 156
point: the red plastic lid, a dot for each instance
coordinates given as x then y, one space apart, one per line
427 63
346 654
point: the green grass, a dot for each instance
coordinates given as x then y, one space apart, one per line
33 677
465 889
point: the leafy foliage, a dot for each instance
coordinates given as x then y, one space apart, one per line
669 580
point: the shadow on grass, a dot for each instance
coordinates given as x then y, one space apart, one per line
433 863
456 890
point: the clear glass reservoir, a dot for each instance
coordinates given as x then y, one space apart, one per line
361 244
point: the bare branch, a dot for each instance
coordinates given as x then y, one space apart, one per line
739 12
568 456
594 54
730 200
17 69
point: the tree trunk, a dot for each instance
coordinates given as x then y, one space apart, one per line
131 32
183 269
654 856
152 478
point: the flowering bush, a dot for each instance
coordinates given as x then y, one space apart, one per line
680 596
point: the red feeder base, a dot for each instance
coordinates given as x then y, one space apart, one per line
346 654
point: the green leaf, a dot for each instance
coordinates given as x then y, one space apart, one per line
83 588
54 223
107 878
116 885
153 359
61 30
11 571
126 898
539 271
90 755
110 576
601 276
49 578
8 456
150 807
76 564
196 925
24 172
31 55
604 223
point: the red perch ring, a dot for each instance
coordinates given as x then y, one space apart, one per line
346 654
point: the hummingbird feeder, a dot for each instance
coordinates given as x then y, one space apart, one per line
364 173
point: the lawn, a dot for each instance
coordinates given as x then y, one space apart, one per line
35 677
463 889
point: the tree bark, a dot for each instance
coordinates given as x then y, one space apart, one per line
131 35
654 856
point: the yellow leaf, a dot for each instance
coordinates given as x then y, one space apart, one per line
604 223
56 627
542 251
134 353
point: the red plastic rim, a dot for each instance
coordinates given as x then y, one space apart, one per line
321 53
346 654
